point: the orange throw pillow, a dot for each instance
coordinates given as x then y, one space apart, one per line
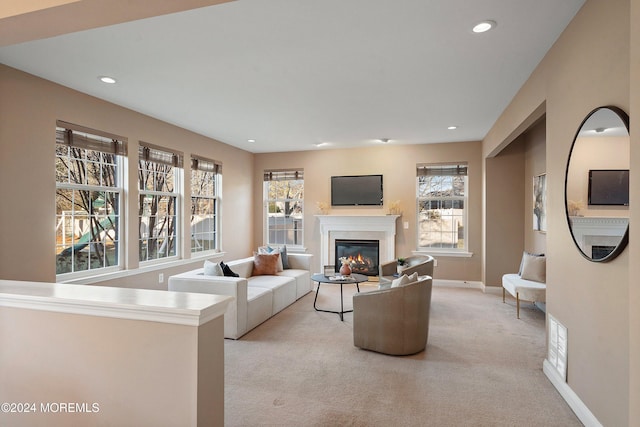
265 264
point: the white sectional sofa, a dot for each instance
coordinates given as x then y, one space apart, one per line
257 298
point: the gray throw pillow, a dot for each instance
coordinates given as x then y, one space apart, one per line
525 255
535 268
284 257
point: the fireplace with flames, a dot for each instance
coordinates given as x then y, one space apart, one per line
363 254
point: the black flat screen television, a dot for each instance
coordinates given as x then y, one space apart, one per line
609 187
361 190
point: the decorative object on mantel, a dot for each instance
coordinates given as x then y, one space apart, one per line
345 269
574 207
402 264
323 208
394 208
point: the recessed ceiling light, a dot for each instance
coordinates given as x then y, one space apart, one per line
484 26
452 127
384 140
251 140
107 79
321 144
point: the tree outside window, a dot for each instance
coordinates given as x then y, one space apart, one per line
442 213
205 183
157 202
284 197
88 199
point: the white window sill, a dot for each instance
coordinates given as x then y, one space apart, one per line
144 268
441 253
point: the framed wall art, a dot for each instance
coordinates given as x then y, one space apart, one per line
540 202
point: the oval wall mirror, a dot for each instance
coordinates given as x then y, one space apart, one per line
597 185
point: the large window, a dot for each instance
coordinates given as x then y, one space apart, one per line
205 189
284 197
158 171
442 213
88 200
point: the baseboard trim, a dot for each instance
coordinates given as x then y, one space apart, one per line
457 284
583 413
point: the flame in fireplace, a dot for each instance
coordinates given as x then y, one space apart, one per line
360 263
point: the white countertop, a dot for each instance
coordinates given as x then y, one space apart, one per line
139 304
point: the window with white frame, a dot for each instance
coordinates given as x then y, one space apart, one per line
88 200
158 175
441 207
206 176
284 200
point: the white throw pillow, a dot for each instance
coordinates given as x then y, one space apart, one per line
413 277
400 281
535 268
212 269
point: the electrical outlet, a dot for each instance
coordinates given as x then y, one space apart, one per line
161 278
435 262
406 225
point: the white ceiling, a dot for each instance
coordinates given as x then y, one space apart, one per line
294 73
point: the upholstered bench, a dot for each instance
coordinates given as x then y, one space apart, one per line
522 289
529 283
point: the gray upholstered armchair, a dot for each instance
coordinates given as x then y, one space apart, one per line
421 264
393 321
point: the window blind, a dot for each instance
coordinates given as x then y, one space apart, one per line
90 139
205 165
151 153
442 170
283 175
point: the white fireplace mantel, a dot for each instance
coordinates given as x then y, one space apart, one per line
589 231
375 227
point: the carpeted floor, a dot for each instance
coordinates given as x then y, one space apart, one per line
482 367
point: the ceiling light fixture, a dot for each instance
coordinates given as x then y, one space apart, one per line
600 130
384 140
484 26
107 79
251 140
452 127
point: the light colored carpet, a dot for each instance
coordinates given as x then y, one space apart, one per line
482 367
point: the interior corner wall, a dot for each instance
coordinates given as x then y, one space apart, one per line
504 211
634 232
29 108
590 299
397 164
535 164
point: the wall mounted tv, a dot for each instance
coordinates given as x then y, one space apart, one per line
361 190
609 187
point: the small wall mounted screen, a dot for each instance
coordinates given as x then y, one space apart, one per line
361 190
609 187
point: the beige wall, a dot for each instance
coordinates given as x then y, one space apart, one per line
509 203
29 108
137 372
504 212
634 232
397 165
535 163
587 67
